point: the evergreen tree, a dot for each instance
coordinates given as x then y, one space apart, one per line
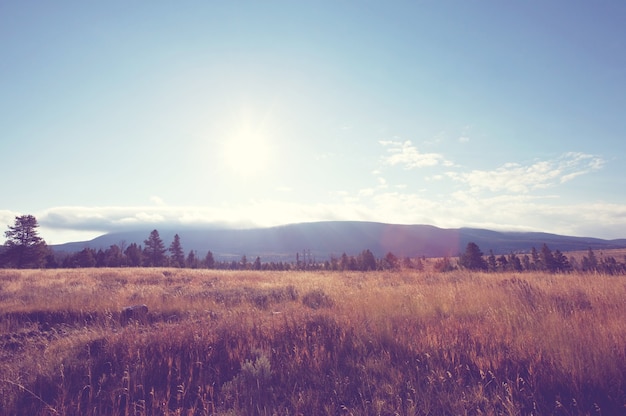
515 263
86 258
590 262
257 263
209 261
113 256
353 264
177 258
24 247
154 250
344 263
100 258
367 261
407 263
573 262
192 260
51 261
536 261
609 265
491 262
561 263
334 263
547 259
134 255
503 263
391 261
473 259
526 262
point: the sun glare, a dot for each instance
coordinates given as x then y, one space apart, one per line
247 153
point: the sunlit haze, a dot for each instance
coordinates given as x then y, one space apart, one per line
491 114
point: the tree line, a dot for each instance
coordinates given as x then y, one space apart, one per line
24 248
544 260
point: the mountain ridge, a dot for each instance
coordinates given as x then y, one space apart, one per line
332 238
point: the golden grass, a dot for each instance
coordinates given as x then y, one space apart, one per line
220 342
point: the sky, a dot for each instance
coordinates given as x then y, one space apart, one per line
486 114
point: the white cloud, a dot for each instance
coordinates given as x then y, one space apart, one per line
106 218
323 156
437 138
8 217
464 137
518 178
512 206
522 212
407 155
157 200
368 192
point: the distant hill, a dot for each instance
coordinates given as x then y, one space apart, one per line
323 239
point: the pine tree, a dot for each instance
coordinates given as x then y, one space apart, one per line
491 262
547 259
473 259
24 247
192 260
134 255
515 263
561 263
154 250
344 263
113 256
367 261
391 261
590 262
209 261
503 263
536 261
86 258
177 258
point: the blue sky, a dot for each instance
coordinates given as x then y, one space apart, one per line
491 114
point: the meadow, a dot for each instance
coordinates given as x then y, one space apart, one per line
311 343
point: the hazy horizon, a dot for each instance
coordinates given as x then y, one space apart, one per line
502 116
167 232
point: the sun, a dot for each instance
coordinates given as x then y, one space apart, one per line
247 153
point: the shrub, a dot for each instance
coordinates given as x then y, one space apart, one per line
316 299
251 389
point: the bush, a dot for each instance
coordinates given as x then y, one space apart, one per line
251 389
317 299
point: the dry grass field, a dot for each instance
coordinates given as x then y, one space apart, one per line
311 343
